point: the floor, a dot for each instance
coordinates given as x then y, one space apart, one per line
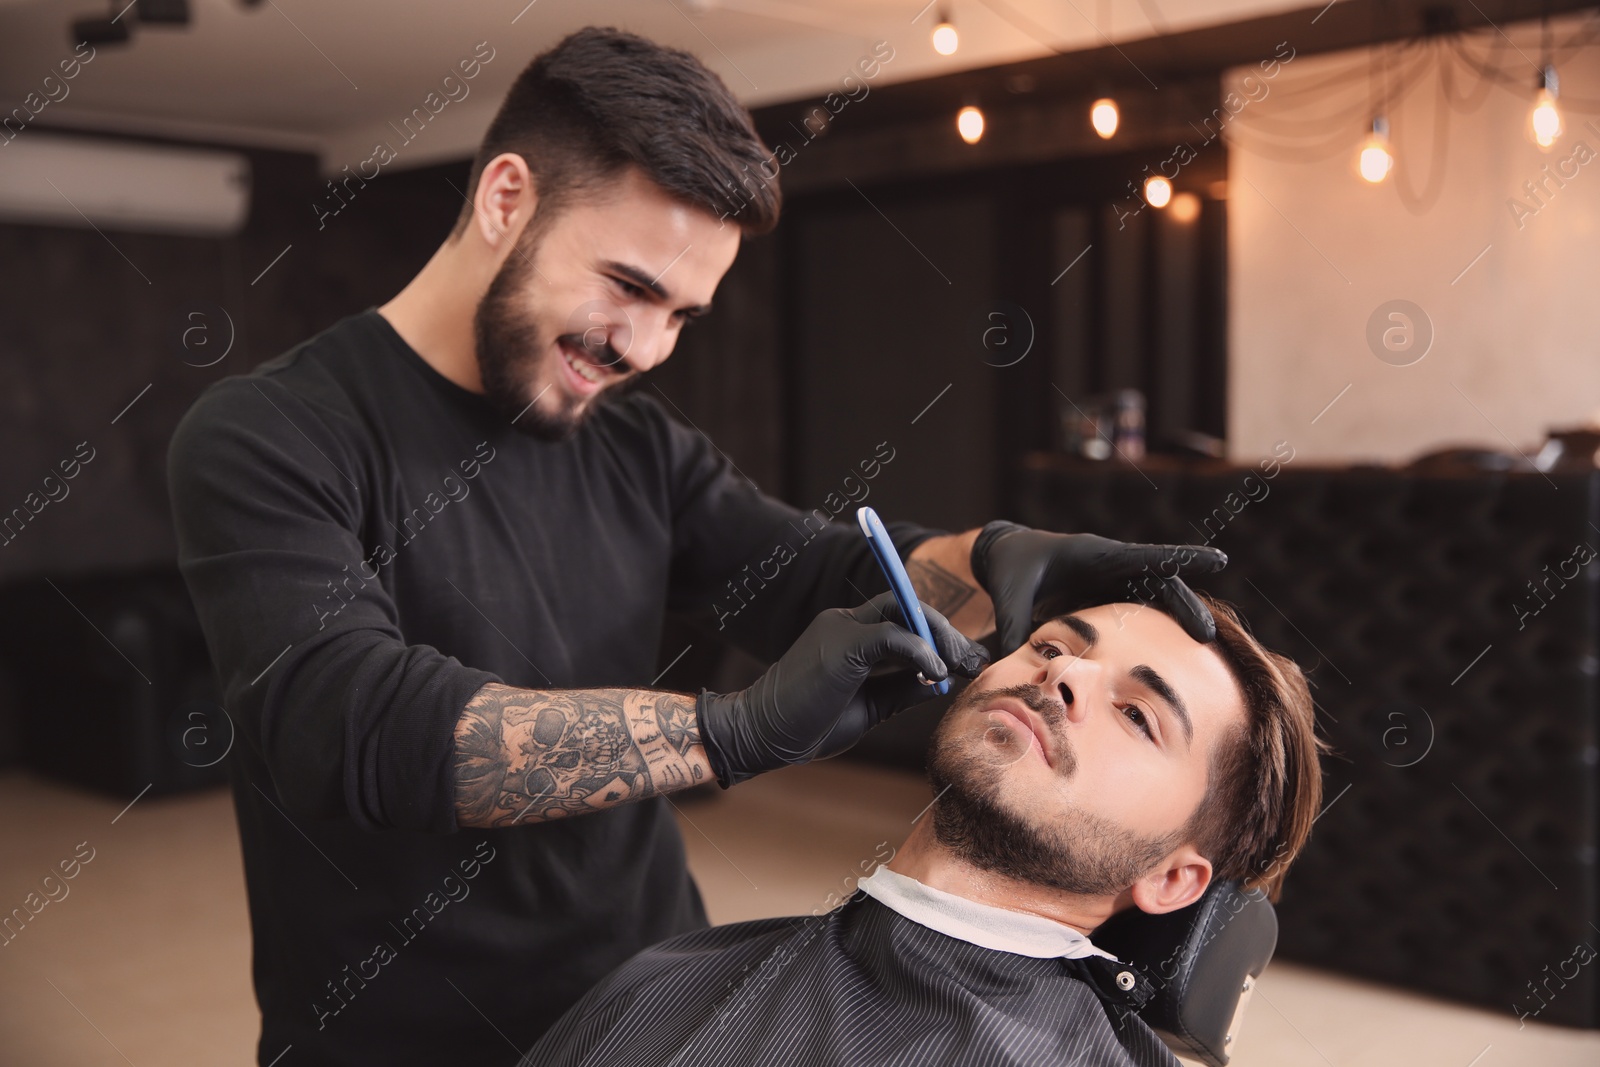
145 958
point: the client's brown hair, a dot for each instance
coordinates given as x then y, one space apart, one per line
1264 784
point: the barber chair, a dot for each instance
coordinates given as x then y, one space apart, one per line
1203 962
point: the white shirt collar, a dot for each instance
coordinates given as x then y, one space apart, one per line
979 924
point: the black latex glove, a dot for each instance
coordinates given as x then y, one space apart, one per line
829 689
1019 567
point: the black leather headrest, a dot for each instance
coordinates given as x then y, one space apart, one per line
1203 961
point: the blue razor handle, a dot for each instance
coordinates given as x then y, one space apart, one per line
899 581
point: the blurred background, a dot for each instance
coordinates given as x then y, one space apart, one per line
1312 283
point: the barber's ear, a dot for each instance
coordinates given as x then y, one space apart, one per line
1178 882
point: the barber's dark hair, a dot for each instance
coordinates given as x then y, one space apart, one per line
1264 784
603 100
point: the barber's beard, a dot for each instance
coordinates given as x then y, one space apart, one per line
512 345
1075 852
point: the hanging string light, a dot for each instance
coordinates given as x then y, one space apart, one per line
1376 160
1544 121
945 38
969 123
1157 191
1104 116
1301 128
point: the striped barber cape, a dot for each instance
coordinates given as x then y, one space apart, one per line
862 984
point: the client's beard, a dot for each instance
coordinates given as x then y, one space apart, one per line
1076 852
510 344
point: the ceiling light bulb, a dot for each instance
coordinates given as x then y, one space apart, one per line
1544 123
1104 117
1376 160
945 38
1157 191
969 123
1546 120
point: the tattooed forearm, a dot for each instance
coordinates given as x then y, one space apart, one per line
525 755
677 724
940 570
939 588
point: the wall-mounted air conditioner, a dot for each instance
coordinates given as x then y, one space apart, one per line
68 180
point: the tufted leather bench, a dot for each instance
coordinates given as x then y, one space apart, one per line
1457 851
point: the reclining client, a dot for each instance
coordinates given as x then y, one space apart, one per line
1110 762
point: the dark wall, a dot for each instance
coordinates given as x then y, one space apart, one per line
106 341
724 376
91 320
887 378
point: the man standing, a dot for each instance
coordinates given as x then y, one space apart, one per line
432 548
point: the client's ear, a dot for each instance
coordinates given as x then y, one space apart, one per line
1176 883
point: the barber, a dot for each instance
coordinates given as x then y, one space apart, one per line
431 549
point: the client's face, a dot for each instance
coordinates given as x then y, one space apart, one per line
1074 762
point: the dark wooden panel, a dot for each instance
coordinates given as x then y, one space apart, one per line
93 319
889 308
725 374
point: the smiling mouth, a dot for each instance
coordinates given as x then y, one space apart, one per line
586 376
584 369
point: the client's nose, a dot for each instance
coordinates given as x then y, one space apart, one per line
1058 677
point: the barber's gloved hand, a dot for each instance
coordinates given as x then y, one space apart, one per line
1019 566
830 688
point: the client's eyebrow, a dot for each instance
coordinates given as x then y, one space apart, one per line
1144 674
1163 689
1081 627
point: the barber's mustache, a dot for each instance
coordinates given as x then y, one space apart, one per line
599 349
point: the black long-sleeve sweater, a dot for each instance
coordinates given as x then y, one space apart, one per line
368 544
